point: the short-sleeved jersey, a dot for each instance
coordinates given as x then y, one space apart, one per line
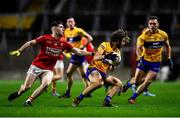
74 36
152 44
50 51
100 65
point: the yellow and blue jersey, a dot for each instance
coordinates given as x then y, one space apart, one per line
100 65
74 36
152 44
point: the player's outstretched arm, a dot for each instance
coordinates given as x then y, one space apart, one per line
24 46
82 52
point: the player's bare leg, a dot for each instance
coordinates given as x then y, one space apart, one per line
95 83
135 80
81 70
116 85
148 79
46 80
58 73
71 69
24 87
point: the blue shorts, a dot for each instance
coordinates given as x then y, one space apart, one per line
146 66
89 70
77 60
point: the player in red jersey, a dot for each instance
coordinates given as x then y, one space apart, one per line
52 45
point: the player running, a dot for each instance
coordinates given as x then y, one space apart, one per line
74 35
151 42
52 45
97 71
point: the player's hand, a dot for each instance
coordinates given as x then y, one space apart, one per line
110 56
67 55
16 53
170 63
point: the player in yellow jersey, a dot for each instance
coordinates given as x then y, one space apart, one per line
133 86
97 70
74 35
151 42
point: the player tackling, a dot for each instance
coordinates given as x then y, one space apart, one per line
52 45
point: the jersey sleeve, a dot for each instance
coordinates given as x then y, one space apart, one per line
166 36
102 47
140 40
40 39
81 32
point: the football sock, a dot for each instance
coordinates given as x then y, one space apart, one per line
108 99
30 99
80 97
134 96
68 92
129 84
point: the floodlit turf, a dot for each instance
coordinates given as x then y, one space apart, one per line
166 103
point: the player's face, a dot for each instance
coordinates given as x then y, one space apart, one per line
70 23
115 44
153 25
59 29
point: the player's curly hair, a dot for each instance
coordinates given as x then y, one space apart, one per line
119 35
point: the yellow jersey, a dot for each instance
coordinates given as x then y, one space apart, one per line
106 47
152 44
74 36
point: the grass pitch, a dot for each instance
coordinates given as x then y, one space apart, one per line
166 103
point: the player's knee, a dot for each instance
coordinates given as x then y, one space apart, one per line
118 83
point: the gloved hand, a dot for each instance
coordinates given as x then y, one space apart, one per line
110 56
16 53
170 63
67 55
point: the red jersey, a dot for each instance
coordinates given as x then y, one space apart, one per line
89 48
50 51
61 57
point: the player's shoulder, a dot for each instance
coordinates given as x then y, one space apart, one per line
44 37
78 29
47 36
163 33
105 43
145 32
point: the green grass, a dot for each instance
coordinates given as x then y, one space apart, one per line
166 103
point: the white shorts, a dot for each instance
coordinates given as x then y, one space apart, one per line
36 71
59 64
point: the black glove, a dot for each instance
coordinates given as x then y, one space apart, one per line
110 56
170 63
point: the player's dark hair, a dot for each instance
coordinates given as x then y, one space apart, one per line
118 35
153 18
56 23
